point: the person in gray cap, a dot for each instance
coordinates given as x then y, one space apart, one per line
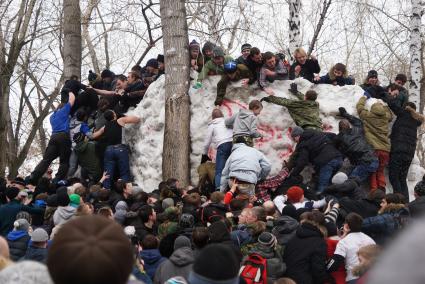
37 251
18 239
316 147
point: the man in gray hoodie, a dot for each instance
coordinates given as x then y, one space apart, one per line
179 264
244 123
64 212
246 164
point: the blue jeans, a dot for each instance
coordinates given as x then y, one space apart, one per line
116 155
223 153
326 172
362 172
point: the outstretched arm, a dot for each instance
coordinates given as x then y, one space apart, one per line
130 119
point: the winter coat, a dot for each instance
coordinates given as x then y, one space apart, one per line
284 228
242 72
275 266
63 214
352 143
152 258
212 212
350 188
305 255
179 264
364 207
217 134
88 159
245 163
281 74
244 123
305 113
375 124
121 209
314 147
8 214
399 101
384 226
375 91
417 207
331 79
36 254
404 132
307 70
18 244
210 68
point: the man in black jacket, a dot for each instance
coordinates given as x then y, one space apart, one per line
254 62
352 143
317 148
403 144
417 206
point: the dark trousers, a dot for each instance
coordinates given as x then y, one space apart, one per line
59 146
398 168
116 155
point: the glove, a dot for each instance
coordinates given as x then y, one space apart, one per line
342 111
198 85
294 88
205 158
367 95
265 99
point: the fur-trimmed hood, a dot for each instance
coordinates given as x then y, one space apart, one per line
332 76
394 208
419 117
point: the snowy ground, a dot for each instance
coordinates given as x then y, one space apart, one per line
274 122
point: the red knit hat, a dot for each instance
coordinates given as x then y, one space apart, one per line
294 194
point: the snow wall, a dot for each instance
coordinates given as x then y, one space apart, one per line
146 139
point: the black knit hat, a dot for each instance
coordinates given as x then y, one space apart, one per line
245 46
63 199
90 249
217 263
160 58
52 200
372 74
107 74
12 192
152 63
420 188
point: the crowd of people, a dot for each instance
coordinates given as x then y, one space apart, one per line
90 224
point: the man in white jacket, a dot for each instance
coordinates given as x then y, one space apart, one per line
246 164
221 137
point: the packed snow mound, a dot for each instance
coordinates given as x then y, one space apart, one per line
274 123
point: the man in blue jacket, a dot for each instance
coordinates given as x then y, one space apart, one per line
59 143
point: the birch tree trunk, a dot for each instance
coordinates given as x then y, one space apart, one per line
415 51
176 148
294 27
72 38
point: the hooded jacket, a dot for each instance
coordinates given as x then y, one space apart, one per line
315 147
18 244
305 255
152 258
404 132
88 160
36 254
63 214
246 164
275 265
179 264
217 134
386 224
244 123
417 207
305 113
375 124
350 188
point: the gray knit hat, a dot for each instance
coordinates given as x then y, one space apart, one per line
25 272
167 202
267 239
21 225
339 178
218 51
297 131
181 242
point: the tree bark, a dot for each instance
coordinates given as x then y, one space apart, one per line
176 148
319 26
294 27
72 38
415 51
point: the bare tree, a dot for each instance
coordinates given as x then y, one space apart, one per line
319 25
72 38
294 26
416 71
175 160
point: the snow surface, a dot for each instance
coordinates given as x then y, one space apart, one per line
146 139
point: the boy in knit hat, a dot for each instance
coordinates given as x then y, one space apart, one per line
196 57
37 251
245 50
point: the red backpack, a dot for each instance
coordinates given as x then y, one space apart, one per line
254 269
